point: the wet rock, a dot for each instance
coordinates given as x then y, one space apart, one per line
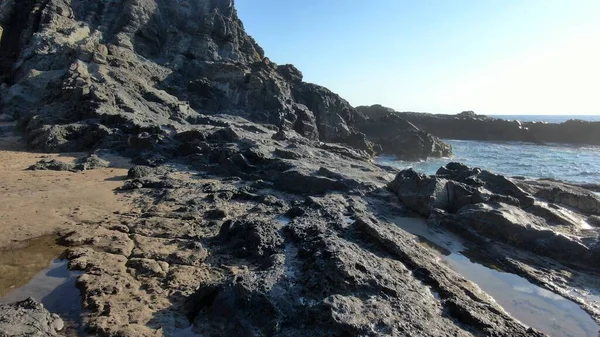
556 215
577 197
28 318
420 193
479 204
494 183
520 229
594 220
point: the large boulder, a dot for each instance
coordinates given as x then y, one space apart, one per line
496 184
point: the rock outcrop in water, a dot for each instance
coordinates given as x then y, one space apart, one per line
469 126
401 138
551 221
256 208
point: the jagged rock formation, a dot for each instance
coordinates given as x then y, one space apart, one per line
469 126
552 221
88 74
99 71
240 257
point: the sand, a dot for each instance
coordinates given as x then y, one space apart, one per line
37 203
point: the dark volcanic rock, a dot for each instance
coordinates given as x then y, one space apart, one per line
576 197
90 162
297 181
401 138
28 318
251 238
469 126
180 84
477 202
122 71
419 192
494 183
521 229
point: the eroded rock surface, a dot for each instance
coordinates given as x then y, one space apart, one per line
273 264
121 74
28 318
479 203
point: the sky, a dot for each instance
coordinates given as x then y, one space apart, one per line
494 57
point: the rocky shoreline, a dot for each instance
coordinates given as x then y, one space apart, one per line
256 208
470 126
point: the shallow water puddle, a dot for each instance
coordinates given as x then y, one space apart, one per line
532 305
21 263
34 271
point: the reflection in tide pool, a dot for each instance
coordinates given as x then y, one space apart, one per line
55 288
532 305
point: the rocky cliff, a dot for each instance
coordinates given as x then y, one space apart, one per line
98 71
469 126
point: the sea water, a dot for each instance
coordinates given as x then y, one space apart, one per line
548 118
576 164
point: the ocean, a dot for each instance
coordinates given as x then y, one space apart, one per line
548 118
576 164
571 163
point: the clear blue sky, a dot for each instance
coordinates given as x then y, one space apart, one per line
443 56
